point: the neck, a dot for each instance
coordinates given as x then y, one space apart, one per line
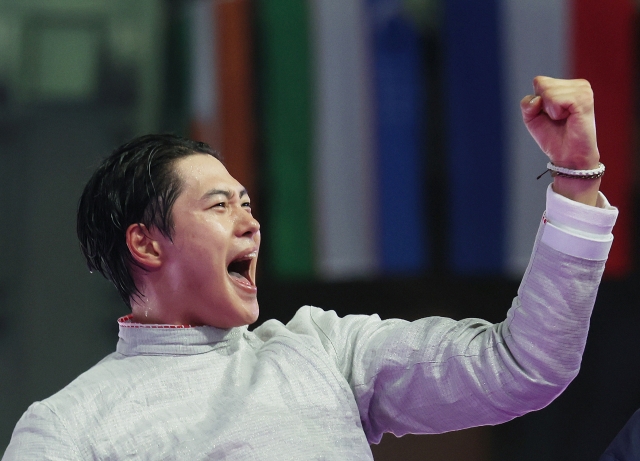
157 307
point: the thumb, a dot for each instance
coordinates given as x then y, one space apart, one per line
531 106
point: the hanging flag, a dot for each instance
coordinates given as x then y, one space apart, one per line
473 74
534 41
236 90
399 87
286 118
604 54
177 68
346 243
203 86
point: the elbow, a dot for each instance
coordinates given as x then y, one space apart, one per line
537 390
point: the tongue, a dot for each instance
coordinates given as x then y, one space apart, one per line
238 276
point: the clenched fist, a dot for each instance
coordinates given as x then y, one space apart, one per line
560 117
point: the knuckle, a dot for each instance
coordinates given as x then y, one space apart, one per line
585 86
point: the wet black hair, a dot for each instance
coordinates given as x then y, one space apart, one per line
137 183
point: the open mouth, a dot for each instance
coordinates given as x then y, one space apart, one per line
240 267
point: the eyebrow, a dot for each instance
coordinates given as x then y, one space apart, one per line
226 192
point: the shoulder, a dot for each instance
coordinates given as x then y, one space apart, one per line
54 427
68 403
326 332
314 322
40 434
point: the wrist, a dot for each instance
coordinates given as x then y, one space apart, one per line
588 162
578 189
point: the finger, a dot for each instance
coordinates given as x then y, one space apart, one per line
556 110
560 103
539 84
563 97
542 83
531 106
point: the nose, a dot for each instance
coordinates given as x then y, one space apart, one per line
246 224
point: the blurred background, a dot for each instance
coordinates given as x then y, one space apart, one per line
381 142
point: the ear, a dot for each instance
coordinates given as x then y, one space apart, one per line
143 247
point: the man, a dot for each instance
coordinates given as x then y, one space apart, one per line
165 221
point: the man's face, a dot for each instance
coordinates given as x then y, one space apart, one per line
211 263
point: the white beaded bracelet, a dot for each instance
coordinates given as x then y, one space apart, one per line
577 174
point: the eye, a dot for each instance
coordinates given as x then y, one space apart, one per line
247 205
219 205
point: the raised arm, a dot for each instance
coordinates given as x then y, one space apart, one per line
436 374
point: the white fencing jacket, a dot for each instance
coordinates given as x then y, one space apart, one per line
325 387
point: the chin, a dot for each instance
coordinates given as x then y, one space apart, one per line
242 315
252 315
